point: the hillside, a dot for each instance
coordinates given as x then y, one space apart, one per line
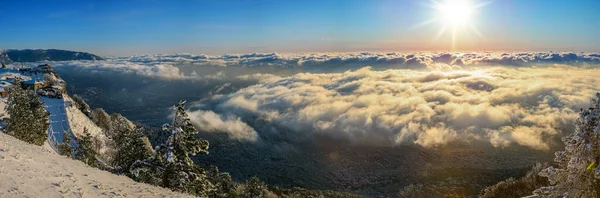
34 55
27 170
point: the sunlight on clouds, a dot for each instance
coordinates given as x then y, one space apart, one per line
526 106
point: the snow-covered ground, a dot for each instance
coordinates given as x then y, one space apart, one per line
6 74
27 170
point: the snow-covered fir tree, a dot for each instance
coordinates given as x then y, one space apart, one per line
180 171
171 166
578 171
65 147
28 117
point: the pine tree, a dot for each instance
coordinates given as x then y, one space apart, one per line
578 172
130 146
64 147
3 65
181 173
85 150
171 166
182 141
28 117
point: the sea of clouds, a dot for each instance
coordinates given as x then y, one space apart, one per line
164 66
429 99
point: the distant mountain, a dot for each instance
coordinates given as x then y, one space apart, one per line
34 55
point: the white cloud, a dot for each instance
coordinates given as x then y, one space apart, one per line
396 60
525 106
211 122
164 65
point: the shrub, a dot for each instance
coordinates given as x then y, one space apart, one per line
517 187
253 188
412 191
82 105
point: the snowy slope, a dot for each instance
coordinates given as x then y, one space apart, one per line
78 121
32 171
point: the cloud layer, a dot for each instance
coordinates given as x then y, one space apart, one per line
167 66
402 60
526 106
421 98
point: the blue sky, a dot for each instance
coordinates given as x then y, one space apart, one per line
220 26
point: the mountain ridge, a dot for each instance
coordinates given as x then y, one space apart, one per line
35 55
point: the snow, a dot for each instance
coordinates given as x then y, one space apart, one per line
58 119
9 74
78 121
27 170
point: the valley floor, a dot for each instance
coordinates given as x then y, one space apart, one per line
32 171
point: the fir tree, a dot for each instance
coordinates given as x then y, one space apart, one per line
85 150
64 147
578 172
171 166
180 172
28 118
130 146
182 141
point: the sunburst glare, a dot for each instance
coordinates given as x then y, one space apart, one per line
455 16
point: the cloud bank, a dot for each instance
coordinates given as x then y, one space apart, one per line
502 106
166 66
403 60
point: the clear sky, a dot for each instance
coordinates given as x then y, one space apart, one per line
221 26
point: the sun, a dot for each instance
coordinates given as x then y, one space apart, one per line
454 17
455 13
